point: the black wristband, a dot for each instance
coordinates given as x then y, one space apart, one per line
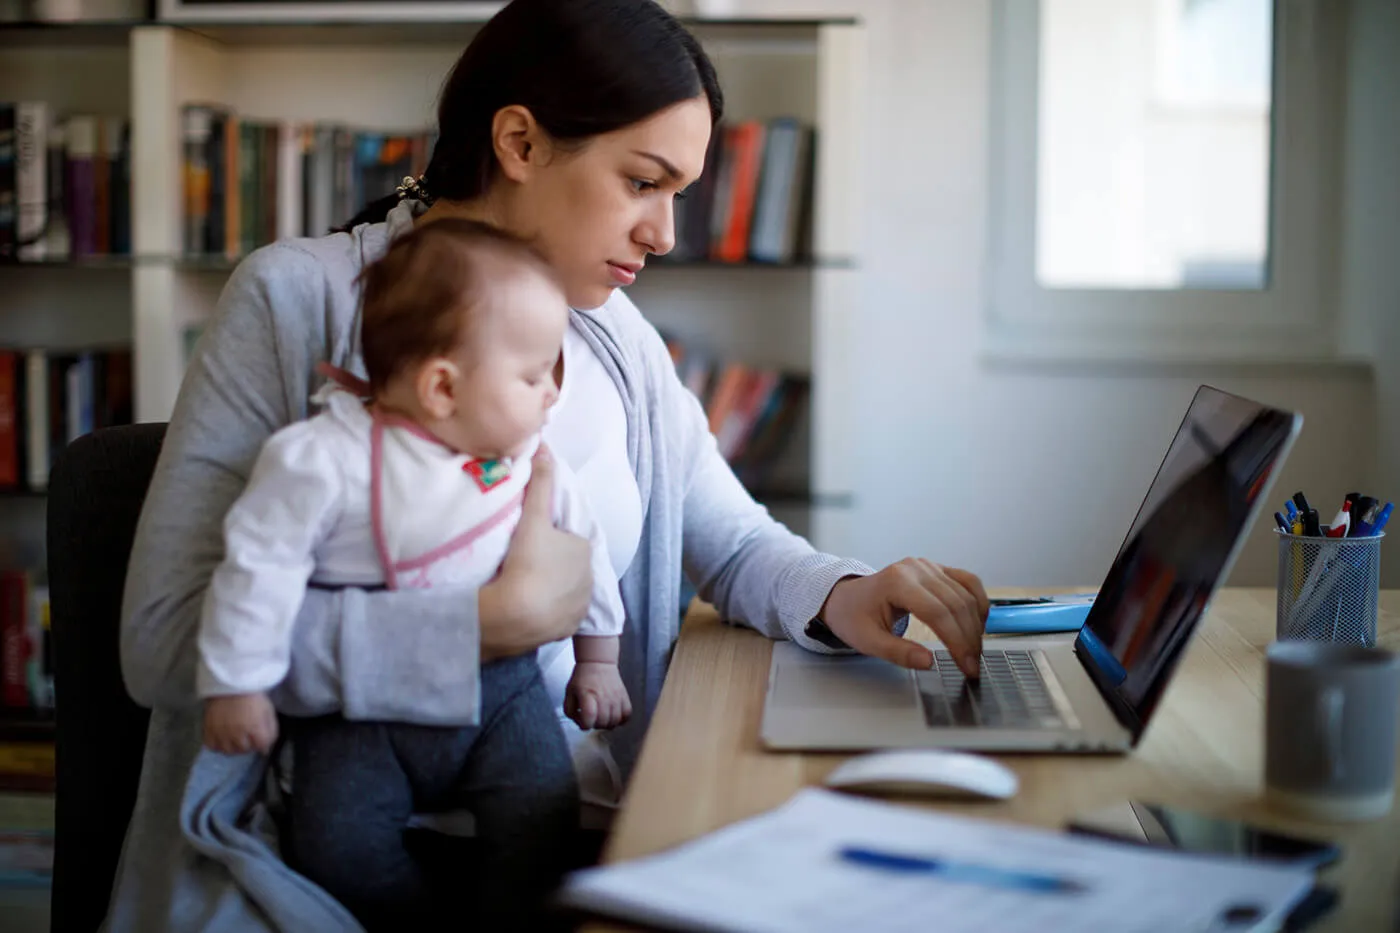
817 631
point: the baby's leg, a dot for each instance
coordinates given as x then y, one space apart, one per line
520 784
349 806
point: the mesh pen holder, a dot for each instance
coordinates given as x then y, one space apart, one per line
1329 588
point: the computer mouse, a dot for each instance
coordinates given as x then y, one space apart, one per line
926 772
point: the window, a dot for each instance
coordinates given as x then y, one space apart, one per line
1162 179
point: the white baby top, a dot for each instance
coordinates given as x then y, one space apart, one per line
348 499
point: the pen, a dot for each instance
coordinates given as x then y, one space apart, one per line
1290 511
988 875
1283 525
1382 519
1366 525
1363 510
1301 501
1310 526
1342 523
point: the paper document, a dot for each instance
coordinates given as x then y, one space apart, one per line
830 862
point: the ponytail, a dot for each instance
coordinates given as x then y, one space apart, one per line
376 211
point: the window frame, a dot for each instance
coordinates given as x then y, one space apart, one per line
1294 316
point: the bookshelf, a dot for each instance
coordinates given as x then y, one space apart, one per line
796 315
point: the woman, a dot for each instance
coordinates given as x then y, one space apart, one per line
574 124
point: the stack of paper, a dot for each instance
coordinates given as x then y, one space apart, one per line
825 861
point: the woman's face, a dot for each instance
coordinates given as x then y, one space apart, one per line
598 211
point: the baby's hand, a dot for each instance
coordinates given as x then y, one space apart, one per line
596 698
240 723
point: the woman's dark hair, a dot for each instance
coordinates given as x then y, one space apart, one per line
581 67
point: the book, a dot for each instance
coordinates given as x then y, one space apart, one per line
31 178
8 183
742 157
81 184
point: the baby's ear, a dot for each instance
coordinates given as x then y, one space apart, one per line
437 387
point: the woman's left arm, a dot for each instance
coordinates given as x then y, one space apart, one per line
755 571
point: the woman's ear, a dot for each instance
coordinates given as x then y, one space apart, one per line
520 143
436 387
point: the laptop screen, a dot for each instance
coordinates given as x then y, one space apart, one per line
1180 546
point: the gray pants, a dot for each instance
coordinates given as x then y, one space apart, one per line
355 785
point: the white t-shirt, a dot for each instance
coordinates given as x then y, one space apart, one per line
587 430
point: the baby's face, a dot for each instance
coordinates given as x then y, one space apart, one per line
508 385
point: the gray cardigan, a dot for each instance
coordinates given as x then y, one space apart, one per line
201 852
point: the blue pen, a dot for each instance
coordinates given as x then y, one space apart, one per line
1283 525
987 875
1381 519
1290 511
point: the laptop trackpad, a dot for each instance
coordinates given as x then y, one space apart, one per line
843 683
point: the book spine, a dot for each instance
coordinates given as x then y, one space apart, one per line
39 670
14 640
102 192
233 187
267 197
116 388
119 186
734 245
9 420
59 244
31 183
322 182
774 189
82 193
58 402
289 180
215 224
196 132
8 192
248 172
37 418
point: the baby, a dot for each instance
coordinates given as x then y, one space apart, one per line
414 478
461 378
420 486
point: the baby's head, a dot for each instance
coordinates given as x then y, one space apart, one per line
461 329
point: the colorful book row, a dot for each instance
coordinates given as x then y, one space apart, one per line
249 182
65 184
753 203
752 410
49 399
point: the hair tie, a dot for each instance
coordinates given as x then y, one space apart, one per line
414 188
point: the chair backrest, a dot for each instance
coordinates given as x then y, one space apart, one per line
96 489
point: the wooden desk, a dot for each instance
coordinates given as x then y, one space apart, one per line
702 766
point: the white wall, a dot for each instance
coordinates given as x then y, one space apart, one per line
1027 475
1370 274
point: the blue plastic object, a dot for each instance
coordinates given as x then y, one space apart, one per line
1039 615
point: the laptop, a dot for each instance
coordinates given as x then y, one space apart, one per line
1093 692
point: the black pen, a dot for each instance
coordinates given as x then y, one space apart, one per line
1310 523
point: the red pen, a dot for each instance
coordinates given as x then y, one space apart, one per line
1342 523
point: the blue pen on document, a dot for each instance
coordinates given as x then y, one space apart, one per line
986 875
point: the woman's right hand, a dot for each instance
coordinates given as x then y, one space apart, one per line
542 591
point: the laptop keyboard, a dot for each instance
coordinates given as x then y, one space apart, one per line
1011 693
